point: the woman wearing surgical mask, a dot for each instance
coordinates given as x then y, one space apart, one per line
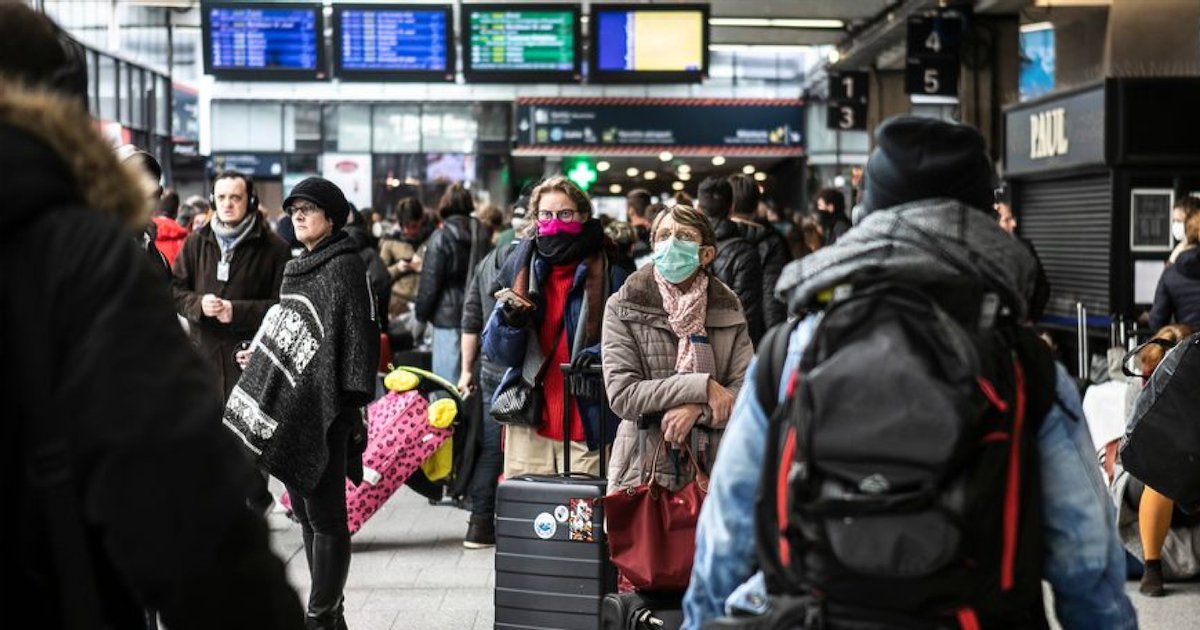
676 348
1184 207
1177 297
552 292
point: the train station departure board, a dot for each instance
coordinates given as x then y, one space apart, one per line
263 41
378 42
525 43
649 43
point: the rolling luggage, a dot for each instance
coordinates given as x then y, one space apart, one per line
400 436
643 611
552 566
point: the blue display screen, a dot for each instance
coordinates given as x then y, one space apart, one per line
394 39
613 41
264 38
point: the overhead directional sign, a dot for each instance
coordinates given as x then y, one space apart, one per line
847 109
931 67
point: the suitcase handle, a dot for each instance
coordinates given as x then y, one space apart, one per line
592 370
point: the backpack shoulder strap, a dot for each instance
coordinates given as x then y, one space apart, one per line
769 369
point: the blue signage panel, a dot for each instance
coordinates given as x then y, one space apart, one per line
394 39
1037 62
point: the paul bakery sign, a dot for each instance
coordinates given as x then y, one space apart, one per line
648 126
1051 134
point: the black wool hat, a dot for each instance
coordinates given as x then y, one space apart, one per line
922 158
326 195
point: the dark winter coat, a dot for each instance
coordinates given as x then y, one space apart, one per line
377 272
1178 293
444 274
738 265
774 253
157 486
505 345
254 277
314 362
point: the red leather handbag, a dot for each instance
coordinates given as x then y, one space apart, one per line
652 531
385 353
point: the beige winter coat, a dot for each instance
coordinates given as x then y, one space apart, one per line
639 351
404 283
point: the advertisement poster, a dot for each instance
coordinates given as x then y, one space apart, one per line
352 173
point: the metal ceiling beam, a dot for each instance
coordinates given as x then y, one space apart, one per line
775 36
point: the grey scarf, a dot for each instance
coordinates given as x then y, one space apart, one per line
921 241
230 236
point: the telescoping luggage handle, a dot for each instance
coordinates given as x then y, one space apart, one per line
593 370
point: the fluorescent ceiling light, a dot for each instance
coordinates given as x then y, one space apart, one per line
1072 3
773 48
777 22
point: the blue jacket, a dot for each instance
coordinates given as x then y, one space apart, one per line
1085 563
505 346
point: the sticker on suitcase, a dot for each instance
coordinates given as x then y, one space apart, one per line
544 526
579 525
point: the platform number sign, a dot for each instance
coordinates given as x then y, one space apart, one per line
847 101
931 67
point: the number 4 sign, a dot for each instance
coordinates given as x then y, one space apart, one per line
933 46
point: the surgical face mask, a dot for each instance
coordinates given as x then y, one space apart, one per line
378 229
1177 231
676 260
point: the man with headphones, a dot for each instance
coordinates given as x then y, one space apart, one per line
226 277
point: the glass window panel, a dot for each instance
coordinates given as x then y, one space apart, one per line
108 87
137 98
266 127
353 123
397 128
448 129
493 121
246 126
302 128
162 111
123 93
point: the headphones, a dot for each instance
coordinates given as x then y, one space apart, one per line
251 196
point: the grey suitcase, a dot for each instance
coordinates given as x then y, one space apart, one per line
552 562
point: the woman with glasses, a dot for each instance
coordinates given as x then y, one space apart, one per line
676 348
309 372
557 285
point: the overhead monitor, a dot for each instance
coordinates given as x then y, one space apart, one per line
521 43
381 42
634 43
263 41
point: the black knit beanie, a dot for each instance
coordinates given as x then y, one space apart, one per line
922 158
326 195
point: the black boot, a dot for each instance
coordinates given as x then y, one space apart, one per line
1152 580
481 532
330 567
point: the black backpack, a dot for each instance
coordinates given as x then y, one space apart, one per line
900 487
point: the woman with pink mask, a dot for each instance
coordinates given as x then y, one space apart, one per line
550 300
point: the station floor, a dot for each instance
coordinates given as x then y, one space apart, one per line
410 572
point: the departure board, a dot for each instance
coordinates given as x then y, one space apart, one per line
393 39
666 43
263 41
536 40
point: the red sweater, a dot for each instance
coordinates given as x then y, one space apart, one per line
555 291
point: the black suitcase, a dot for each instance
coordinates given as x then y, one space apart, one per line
643 611
552 563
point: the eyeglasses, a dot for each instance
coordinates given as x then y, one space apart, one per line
563 215
303 209
687 236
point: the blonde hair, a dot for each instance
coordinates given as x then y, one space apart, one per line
558 183
689 217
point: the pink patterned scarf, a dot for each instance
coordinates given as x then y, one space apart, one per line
686 313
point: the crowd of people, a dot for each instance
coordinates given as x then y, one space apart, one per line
138 318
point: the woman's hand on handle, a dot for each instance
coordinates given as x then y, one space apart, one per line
721 401
677 422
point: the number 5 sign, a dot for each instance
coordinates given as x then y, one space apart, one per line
932 64
847 101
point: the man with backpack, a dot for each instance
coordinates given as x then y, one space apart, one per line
908 455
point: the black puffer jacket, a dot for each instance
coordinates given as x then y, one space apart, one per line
738 265
1178 293
378 277
444 274
774 254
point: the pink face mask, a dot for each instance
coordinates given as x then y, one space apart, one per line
558 226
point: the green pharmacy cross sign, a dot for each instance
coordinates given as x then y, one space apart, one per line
583 175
